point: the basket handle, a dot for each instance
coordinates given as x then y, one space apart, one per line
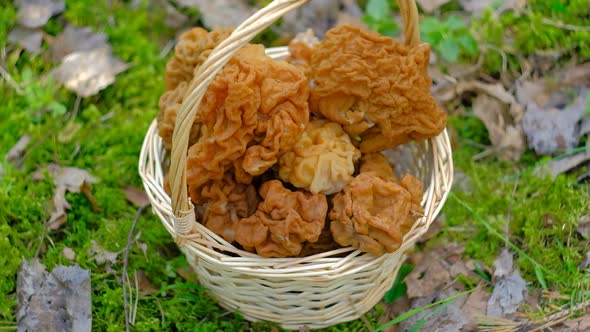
184 215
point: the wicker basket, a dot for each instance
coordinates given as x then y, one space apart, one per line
315 291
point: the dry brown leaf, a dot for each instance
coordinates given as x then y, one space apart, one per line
435 269
430 6
475 6
551 129
74 39
18 149
318 15
35 13
580 324
474 307
88 72
585 127
507 138
450 319
220 13
174 18
563 165
136 196
66 179
584 226
510 289
29 39
575 76
144 284
68 253
102 256
586 262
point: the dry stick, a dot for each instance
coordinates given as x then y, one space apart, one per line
125 262
4 73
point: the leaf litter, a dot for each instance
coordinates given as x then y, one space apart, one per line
32 16
220 13
66 179
35 13
59 300
74 39
509 290
88 72
29 39
434 279
16 152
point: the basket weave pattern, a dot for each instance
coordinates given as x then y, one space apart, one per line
315 291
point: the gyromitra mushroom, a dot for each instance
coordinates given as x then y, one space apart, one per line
376 87
283 221
373 214
226 203
324 243
322 161
301 49
379 164
254 110
169 105
192 49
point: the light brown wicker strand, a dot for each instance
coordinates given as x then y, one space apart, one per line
181 203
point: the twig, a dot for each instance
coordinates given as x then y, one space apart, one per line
10 81
125 276
565 26
509 213
76 107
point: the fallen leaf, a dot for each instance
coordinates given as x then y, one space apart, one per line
102 256
74 39
509 290
220 13
475 6
435 269
56 301
580 324
144 284
318 15
586 262
563 165
88 72
430 6
507 137
86 191
136 196
551 130
35 13
66 179
516 110
450 319
574 76
174 18
584 226
18 149
68 253
29 39
474 307
585 126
